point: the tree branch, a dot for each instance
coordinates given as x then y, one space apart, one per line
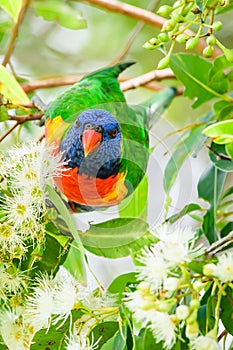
8 132
15 32
25 118
130 11
144 79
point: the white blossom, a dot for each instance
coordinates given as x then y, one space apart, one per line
177 244
224 268
182 312
154 268
15 334
163 328
140 302
204 343
39 305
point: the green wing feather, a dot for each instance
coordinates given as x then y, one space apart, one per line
101 90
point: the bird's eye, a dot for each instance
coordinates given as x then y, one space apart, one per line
98 128
113 133
88 126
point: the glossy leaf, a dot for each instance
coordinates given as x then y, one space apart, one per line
103 332
193 72
66 217
149 341
61 12
186 210
10 88
12 7
117 237
136 204
54 337
227 310
210 188
221 132
120 282
3 113
218 156
229 150
184 147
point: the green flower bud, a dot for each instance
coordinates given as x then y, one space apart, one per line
191 43
209 269
217 26
182 312
164 10
192 330
194 304
182 38
151 44
163 63
229 54
163 37
168 26
177 17
192 317
211 40
208 51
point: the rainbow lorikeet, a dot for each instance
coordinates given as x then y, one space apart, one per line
103 140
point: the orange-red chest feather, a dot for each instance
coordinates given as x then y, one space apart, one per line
87 190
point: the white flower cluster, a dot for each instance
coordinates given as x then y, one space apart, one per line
223 270
163 273
50 302
24 172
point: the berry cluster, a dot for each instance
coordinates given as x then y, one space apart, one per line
183 16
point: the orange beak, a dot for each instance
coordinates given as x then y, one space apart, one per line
90 140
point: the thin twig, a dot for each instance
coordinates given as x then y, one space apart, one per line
133 35
8 132
15 32
222 242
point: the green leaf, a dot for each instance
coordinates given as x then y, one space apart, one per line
103 332
136 204
210 311
227 310
229 150
117 237
217 155
184 146
149 341
201 318
221 132
120 339
186 210
193 72
120 282
12 7
54 337
3 114
66 217
72 264
10 88
210 187
222 108
61 12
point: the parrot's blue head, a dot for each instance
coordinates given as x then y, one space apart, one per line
93 144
